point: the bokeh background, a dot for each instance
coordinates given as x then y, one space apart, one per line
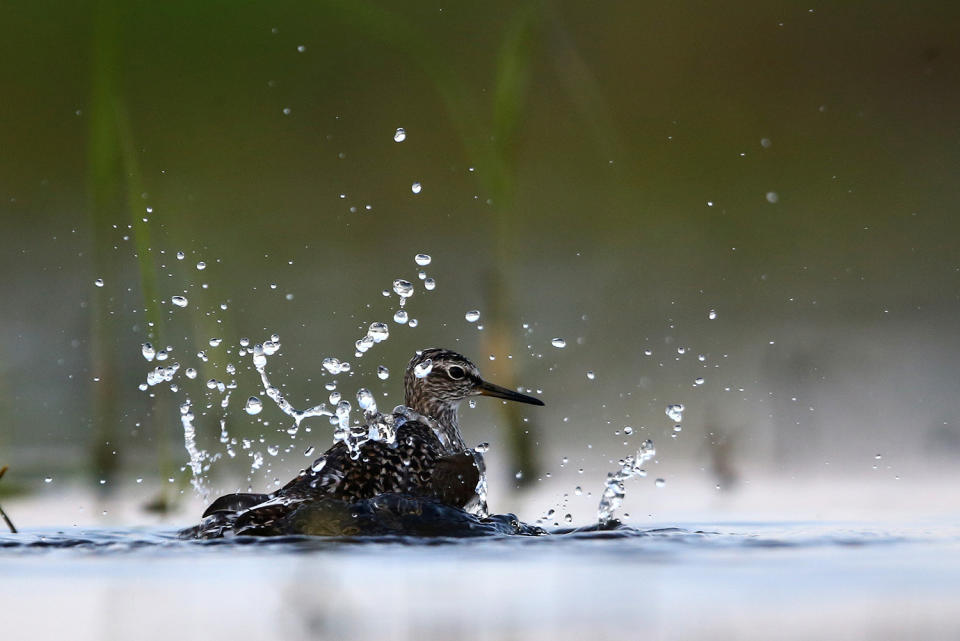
606 175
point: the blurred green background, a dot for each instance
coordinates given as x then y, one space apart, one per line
606 173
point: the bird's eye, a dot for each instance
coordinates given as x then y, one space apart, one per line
456 372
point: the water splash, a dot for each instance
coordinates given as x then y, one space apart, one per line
613 489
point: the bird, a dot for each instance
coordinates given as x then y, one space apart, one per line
426 458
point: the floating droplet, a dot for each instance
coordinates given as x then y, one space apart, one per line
98 282
698 381
472 316
675 412
181 255
659 482
201 266
628 430
400 135
772 197
332 365
383 373
559 343
416 188
215 342
254 406
179 301
190 372
712 314
422 259
590 375
401 317
430 284
422 369
148 352
379 332
365 400
403 288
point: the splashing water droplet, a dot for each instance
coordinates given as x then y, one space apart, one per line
403 288
383 373
190 372
379 332
422 259
472 316
215 342
698 381
98 282
772 197
400 135
430 284
201 266
628 430
559 343
422 369
416 188
254 406
591 375
332 365
712 314
659 482
365 401
401 317
148 352
179 301
675 412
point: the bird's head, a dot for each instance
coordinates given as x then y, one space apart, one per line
436 380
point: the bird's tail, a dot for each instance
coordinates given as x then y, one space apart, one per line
235 503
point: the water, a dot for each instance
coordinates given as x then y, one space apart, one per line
783 580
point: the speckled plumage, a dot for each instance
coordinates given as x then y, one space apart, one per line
427 458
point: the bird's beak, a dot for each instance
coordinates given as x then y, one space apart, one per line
489 389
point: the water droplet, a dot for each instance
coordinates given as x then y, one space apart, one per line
332 365
379 332
401 316
659 482
559 343
590 375
568 518
273 450
482 448
422 259
383 373
148 352
765 143
772 197
308 451
215 342
334 398
181 255
413 322
628 430
190 372
430 284
365 400
878 456
301 48
578 491
698 381
712 314
179 301
472 316
400 135
403 288
48 479
675 412
254 406
416 188
201 266
422 369
98 282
